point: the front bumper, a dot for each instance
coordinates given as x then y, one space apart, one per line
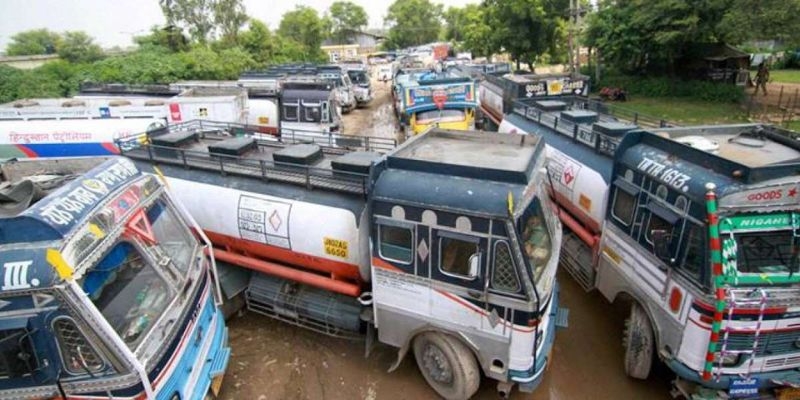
529 380
766 380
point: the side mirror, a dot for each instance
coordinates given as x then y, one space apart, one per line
474 264
661 241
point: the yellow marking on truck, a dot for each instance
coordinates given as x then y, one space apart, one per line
96 231
263 120
55 259
612 254
335 247
585 202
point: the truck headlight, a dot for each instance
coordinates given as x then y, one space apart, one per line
728 360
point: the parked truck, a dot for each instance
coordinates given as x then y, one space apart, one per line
69 137
695 227
444 99
450 254
83 108
107 292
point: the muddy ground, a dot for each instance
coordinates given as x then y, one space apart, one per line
274 360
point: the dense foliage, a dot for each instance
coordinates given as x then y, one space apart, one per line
652 35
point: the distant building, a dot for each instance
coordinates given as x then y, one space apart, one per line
27 62
351 45
716 62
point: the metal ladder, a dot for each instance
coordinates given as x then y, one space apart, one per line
734 303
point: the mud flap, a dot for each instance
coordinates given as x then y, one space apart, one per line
401 354
562 318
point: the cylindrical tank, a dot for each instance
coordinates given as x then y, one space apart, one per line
316 237
578 188
263 113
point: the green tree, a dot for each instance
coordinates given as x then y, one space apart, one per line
36 41
144 66
526 29
466 27
303 26
10 82
345 18
197 16
78 47
230 16
233 61
169 37
762 20
639 35
258 42
412 23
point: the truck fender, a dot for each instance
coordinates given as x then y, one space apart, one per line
402 351
630 297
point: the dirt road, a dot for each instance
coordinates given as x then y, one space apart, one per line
377 118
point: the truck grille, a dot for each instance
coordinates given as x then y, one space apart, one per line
769 343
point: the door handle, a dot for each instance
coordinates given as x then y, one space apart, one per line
474 294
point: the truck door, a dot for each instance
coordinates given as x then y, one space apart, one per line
458 271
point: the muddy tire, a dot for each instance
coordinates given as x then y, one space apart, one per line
447 365
639 343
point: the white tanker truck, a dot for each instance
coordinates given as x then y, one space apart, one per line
698 228
449 254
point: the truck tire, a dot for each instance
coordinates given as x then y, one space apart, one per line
447 365
638 342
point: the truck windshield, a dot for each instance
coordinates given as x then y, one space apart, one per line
535 237
172 236
137 279
358 77
767 252
449 115
129 292
761 243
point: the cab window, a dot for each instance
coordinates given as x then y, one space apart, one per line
17 359
77 354
395 243
504 275
290 111
458 257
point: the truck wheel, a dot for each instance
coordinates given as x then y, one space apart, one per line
638 342
447 365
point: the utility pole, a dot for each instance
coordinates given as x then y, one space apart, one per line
570 37
578 28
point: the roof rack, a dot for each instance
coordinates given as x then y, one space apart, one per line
167 146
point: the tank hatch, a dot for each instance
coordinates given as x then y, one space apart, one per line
233 147
614 129
173 140
357 161
300 154
580 116
551 105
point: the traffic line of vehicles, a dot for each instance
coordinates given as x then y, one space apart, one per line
286 104
695 227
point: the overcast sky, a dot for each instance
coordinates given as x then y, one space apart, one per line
114 22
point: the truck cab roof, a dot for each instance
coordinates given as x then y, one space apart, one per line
488 167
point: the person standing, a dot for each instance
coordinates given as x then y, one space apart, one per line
762 77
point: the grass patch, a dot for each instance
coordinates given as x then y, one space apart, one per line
792 126
685 111
784 75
